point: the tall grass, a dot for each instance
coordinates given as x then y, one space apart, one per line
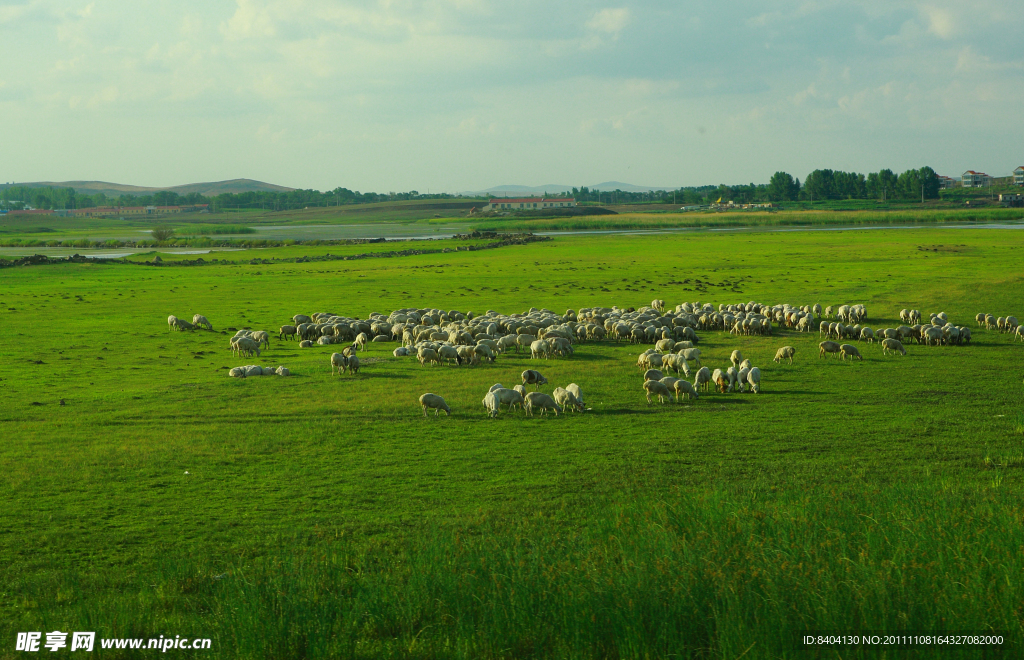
209 230
701 574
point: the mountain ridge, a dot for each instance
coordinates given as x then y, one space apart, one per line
208 188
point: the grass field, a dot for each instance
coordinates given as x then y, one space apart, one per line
323 516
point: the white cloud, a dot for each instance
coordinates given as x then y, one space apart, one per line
941 22
610 21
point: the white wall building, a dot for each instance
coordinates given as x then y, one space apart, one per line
972 179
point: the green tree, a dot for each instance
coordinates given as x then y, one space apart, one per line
782 187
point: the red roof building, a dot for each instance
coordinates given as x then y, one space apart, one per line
529 203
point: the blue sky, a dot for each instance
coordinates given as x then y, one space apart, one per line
467 94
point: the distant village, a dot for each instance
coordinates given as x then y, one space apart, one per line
111 211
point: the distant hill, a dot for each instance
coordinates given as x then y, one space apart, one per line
553 188
209 189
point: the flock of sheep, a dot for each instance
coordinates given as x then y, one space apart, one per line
439 337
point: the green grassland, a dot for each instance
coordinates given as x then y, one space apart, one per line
324 516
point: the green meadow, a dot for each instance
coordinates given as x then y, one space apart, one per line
323 516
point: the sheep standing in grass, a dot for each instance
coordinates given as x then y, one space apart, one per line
575 390
827 347
732 374
510 398
736 358
172 320
653 374
541 401
491 404
703 379
339 362
656 387
435 402
893 346
531 377
201 321
521 390
785 353
425 355
261 337
685 388
353 364
719 378
287 331
567 400
754 379
850 350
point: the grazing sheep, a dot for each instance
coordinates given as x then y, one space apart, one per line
754 379
353 364
685 388
827 347
245 346
262 337
531 377
653 374
691 354
575 389
301 318
425 355
702 379
511 398
657 388
520 389
541 401
784 353
305 344
894 346
361 340
339 362
745 364
736 358
491 404
172 320
287 331
848 349
447 354
201 321
867 334
567 400
721 380
174 323
429 400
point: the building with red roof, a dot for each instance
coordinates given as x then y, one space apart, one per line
529 203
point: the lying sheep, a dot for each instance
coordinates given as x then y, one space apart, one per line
754 379
531 377
827 347
284 371
848 349
200 321
785 353
541 401
237 372
429 400
305 343
658 388
894 346
567 400
685 388
401 351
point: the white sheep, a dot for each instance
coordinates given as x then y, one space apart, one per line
736 358
200 321
653 374
894 346
237 372
284 371
658 388
850 350
491 404
575 389
784 353
541 401
511 398
685 388
434 401
827 347
702 379
305 343
401 351
567 400
754 379
339 362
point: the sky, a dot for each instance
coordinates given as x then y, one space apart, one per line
458 95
